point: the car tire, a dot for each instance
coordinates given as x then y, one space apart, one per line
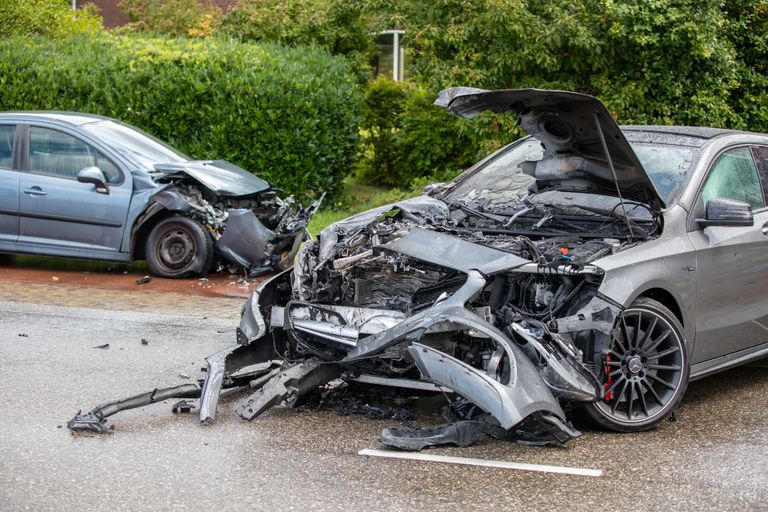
178 247
645 371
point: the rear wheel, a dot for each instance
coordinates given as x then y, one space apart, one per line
645 371
177 247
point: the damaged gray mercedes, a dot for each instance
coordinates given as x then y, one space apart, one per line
86 186
586 267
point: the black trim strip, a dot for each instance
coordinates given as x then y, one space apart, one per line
76 220
15 213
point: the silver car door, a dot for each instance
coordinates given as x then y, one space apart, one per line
9 188
732 263
62 214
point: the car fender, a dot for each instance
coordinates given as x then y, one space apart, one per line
147 207
667 263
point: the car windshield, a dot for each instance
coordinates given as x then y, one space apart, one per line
667 166
501 180
137 146
505 177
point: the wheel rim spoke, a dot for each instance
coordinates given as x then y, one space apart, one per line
630 399
653 393
658 341
640 392
663 367
618 397
662 382
663 353
624 333
615 383
636 335
647 334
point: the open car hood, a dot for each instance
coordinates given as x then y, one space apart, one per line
569 125
219 176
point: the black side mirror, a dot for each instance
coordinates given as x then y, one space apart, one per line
727 212
95 176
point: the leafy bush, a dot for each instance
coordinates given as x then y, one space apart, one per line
406 137
337 25
52 18
189 18
290 115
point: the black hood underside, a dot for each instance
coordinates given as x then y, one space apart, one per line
573 128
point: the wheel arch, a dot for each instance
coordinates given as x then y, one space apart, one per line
667 299
161 205
143 227
678 297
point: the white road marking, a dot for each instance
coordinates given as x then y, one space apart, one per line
481 462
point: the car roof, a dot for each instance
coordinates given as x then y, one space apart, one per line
695 136
71 118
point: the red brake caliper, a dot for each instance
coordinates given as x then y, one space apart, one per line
608 394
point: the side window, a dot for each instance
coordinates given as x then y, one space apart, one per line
761 157
58 154
734 176
6 145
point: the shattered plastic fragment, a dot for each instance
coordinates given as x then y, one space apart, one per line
182 406
460 433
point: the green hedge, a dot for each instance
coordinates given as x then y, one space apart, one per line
289 115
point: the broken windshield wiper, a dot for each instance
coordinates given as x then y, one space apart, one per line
472 211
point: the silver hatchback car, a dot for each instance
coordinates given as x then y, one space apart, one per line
586 266
87 186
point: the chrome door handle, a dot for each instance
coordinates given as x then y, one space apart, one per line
765 229
35 191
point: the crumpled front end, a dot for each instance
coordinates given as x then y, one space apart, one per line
388 302
259 232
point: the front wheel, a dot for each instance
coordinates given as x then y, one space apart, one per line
645 370
177 247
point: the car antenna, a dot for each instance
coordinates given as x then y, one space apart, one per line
613 172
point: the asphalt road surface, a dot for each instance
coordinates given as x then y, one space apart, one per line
714 457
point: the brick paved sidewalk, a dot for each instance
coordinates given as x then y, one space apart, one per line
122 300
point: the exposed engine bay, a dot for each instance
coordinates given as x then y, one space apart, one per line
259 233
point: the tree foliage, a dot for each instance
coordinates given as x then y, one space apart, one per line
186 18
51 18
339 26
657 61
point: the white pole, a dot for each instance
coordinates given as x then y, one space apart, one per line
74 5
395 57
